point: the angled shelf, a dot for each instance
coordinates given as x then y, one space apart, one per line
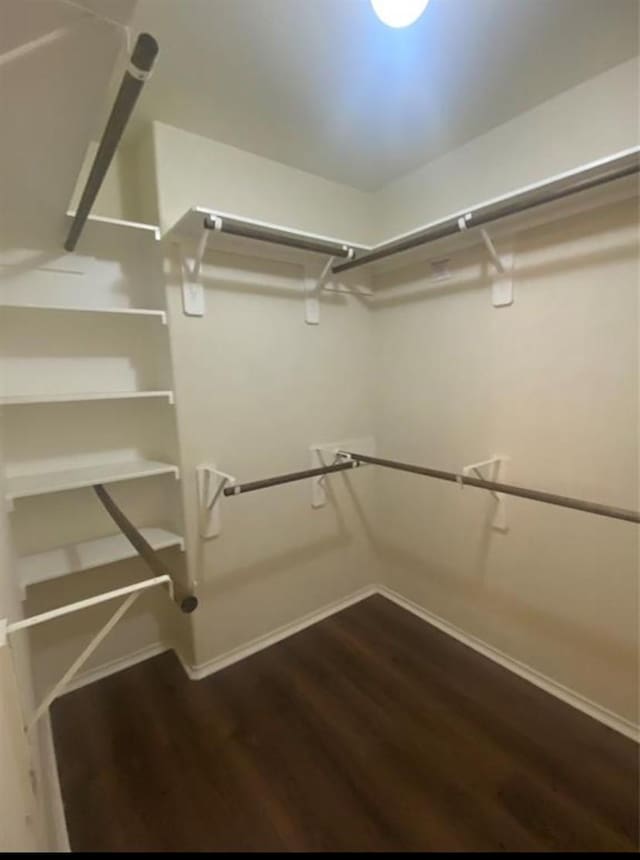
27 399
75 557
23 486
137 312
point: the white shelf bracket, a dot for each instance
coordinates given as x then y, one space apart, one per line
502 287
192 289
314 285
211 482
496 466
327 454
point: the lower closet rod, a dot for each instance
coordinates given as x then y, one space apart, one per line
236 489
506 489
453 477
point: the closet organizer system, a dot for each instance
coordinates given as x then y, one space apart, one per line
114 282
575 190
558 197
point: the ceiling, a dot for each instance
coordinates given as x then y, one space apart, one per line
323 86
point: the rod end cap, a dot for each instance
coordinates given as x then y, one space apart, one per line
189 604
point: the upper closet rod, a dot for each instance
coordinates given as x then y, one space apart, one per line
262 233
582 180
453 477
140 65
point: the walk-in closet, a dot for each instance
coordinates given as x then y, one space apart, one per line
319 425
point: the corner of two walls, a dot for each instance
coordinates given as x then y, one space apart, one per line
255 387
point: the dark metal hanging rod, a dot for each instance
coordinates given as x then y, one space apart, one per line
140 65
453 477
277 236
288 478
556 189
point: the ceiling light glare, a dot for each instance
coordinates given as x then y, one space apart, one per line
399 13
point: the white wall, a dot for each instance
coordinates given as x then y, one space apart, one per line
255 388
552 383
128 190
194 171
593 120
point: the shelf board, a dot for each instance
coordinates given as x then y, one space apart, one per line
152 229
75 557
23 486
27 399
141 312
190 227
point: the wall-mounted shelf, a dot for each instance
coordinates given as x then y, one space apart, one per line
607 180
152 230
587 187
75 557
33 399
23 486
241 238
141 312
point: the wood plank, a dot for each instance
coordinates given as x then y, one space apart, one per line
368 731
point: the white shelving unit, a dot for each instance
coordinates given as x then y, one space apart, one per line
72 397
73 558
23 486
80 340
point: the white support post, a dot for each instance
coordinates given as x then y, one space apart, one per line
130 592
81 660
210 498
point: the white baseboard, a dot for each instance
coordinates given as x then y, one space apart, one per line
202 670
50 794
113 666
196 673
570 697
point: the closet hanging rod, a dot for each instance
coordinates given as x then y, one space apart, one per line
250 230
140 65
564 186
288 478
453 477
186 602
507 489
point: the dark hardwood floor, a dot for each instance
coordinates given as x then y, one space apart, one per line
369 731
